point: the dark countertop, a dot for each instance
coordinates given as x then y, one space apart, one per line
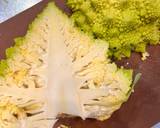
142 109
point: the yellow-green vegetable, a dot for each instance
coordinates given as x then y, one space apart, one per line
54 69
128 25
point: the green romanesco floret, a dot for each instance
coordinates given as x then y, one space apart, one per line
128 25
3 67
10 52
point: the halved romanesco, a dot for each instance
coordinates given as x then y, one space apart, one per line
57 69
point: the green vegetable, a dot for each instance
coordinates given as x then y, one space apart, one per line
128 25
56 68
10 52
3 67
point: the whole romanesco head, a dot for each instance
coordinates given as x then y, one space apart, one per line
127 25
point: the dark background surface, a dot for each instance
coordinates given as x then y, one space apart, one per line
142 109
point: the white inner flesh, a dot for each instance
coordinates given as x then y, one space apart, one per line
61 82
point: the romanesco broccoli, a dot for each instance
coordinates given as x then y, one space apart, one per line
128 25
55 69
